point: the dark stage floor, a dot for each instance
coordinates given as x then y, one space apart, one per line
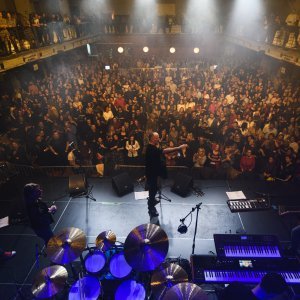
121 215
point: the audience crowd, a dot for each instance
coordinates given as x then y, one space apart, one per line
236 120
19 32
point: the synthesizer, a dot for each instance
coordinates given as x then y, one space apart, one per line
248 205
212 269
249 245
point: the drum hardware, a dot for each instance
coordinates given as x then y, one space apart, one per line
127 264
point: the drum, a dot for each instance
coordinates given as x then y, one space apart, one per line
87 287
118 265
94 261
130 290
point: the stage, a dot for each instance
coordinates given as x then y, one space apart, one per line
121 215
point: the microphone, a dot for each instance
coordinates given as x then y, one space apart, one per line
182 228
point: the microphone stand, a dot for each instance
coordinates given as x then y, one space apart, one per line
88 193
196 224
162 196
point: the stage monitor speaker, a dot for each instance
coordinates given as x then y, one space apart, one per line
77 184
182 184
122 184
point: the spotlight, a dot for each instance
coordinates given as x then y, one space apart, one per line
146 49
172 50
88 48
196 50
120 49
182 228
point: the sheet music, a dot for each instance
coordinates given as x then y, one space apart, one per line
236 195
4 222
141 195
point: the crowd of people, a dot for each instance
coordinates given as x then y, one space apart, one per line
236 121
20 33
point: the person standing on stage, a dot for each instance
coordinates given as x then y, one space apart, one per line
39 214
156 167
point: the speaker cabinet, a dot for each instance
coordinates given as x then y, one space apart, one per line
122 184
77 184
182 184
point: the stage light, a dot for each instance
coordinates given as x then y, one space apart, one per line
196 50
172 50
120 49
146 49
88 47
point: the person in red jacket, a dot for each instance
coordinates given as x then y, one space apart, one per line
247 164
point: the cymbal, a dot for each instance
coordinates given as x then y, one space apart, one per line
49 281
163 279
66 246
185 291
105 240
146 247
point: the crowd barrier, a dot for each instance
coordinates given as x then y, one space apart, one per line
8 170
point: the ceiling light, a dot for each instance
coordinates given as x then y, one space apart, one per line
196 50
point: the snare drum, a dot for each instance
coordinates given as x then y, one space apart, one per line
118 265
87 288
130 290
94 261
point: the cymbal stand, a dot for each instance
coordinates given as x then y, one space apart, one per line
38 253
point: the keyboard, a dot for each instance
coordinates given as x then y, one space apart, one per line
249 245
211 276
248 205
251 251
212 269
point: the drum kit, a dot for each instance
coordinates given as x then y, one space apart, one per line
139 264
